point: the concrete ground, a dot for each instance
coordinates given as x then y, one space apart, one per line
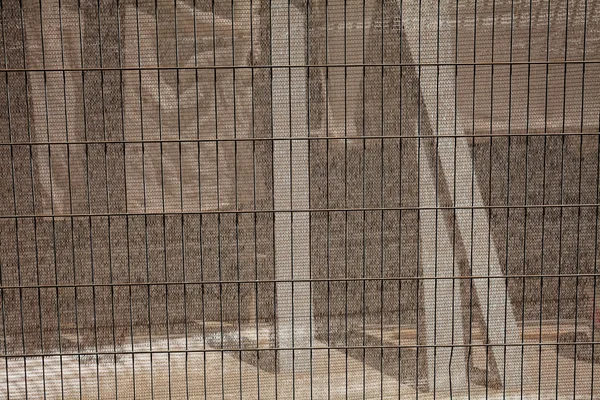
332 373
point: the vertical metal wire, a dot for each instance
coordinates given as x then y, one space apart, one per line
578 254
254 203
200 207
436 179
35 234
128 246
562 193
72 227
400 202
364 214
382 205
235 193
328 215
454 193
162 188
181 205
419 161
310 220
17 237
345 184
291 176
472 231
108 201
508 201
526 187
489 233
3 292
271 131
144 184
594 290
183 247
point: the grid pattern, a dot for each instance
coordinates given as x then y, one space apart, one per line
299 198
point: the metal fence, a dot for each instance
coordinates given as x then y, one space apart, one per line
299 198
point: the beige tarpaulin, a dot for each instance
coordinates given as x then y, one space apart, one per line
186 104
167 105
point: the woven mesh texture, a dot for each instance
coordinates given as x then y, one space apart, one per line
326 199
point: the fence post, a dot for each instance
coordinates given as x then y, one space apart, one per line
291 189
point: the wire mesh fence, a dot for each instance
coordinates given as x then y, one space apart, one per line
305 198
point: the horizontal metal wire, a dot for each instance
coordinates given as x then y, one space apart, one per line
295 138
300 210
297 280
327 65
297 348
